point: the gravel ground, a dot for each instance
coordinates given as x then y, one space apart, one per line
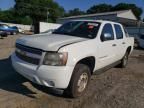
115 88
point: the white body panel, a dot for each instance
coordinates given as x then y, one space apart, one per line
77 48
44 74
50 42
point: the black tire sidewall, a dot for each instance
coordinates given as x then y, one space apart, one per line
78 71
123 60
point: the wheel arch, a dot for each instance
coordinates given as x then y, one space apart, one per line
89 61
129 49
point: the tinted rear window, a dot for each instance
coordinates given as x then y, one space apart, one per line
119 33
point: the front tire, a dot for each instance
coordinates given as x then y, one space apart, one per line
79 81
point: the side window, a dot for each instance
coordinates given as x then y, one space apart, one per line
107 33
119 33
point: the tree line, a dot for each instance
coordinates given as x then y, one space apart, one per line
28 11
107 8
33 11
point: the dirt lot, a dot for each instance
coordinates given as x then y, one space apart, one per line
116 88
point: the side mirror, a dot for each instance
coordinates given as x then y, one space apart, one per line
106 36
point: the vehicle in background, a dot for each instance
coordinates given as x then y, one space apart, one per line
140 40
21 30
3 34
8 30
18 29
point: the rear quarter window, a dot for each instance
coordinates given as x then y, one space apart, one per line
118 30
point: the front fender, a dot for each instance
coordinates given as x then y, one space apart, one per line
79 51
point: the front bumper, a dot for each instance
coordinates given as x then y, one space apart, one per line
50 76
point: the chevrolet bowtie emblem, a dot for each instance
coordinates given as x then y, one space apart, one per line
21 52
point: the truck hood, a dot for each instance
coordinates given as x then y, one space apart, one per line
50 42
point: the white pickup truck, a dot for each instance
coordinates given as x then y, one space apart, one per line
68 57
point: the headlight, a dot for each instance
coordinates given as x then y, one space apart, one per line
55 59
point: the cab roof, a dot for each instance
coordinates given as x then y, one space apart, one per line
100 21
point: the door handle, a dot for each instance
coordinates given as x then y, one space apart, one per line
114 45
123 43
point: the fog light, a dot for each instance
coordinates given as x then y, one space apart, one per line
48 83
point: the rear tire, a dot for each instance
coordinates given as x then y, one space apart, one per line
14 33
124 60
79 81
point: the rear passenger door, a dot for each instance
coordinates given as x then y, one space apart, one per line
106 47
121 44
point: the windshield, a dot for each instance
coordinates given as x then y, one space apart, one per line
48 31
84 29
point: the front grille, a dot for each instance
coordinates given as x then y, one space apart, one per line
29 49
30 59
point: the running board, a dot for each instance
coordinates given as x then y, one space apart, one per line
102 70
